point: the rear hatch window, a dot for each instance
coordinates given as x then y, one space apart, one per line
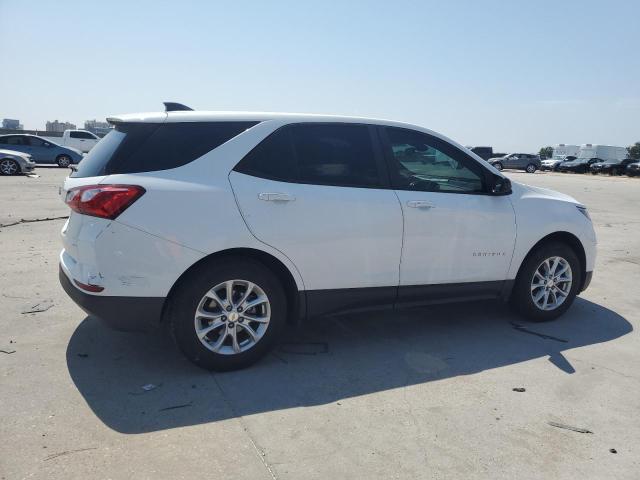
147 147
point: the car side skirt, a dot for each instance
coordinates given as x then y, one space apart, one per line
351 300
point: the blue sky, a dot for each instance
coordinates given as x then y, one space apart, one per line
516 75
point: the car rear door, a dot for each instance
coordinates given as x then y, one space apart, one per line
317 192
458 240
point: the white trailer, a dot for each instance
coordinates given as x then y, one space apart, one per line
603 152
561 151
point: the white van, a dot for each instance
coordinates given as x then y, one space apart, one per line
560 154
602 152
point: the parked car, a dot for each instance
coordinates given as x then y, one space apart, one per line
41 150
79 139
12 162
519 161
554 162
612 167
579 165
231 227
633 169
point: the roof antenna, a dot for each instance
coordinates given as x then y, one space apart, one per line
175 107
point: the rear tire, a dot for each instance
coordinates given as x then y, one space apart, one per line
525 290
236 347
498 166
531 168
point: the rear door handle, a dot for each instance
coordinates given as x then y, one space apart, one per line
276 197
420 204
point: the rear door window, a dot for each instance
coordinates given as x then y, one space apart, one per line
17 140
148 147
337 154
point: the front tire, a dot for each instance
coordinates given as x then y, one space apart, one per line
63 161
547 283
227 314
498 166
9 167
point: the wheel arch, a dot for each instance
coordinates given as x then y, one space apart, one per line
296 299
568 239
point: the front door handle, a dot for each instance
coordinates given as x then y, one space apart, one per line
276 197
420 204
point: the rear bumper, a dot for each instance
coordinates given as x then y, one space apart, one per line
120 313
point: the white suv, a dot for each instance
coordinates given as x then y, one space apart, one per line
228 226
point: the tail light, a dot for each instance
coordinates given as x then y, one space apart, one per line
104 201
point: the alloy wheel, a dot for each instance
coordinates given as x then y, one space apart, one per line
232 317
8 167
64 161
551 283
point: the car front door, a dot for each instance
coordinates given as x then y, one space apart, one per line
39 150
317 192
458 239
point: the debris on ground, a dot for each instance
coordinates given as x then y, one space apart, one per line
174 407
522 328
613 450
519 389
8 352
68 452
33 220
146 388
569 427
41 306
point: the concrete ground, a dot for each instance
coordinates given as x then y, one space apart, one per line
418 394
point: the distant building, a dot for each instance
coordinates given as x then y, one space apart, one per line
12 124
99 128
57 126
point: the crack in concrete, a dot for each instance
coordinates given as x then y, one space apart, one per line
260 452
32 220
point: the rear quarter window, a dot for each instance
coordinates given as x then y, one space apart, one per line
148 147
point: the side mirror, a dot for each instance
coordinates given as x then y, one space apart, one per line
499 185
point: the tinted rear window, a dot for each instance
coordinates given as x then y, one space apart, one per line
335 154
147 147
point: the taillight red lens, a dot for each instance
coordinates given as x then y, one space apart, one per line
104 201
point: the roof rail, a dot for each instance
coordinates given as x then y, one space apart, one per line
175 107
